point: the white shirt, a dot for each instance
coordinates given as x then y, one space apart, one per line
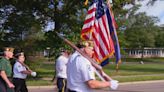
79 71
61 66
18 68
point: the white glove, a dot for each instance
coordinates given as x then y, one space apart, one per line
33 74
114 84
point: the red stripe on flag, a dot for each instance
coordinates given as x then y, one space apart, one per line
97 41
102 35
91 11
86 30
89 20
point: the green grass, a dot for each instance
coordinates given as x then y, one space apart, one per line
156 60
46 70
131 70
136 72
39 82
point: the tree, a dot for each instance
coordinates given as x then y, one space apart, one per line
18 23
159 42
23 21
141 30
20 16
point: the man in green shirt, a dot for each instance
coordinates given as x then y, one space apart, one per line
6 71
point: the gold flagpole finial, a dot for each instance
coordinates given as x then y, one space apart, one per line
86 2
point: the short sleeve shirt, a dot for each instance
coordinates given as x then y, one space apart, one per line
18 68
79 71
61 66
6 66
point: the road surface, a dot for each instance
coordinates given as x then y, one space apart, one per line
147 86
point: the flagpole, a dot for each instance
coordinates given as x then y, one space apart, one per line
98 69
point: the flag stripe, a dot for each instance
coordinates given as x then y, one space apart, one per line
98 44
102 38
99 27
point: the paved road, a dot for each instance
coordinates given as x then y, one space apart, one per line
147 86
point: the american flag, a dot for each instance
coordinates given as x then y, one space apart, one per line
97 27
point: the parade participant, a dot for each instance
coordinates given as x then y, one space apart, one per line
20 73
61 66
6 71
81 74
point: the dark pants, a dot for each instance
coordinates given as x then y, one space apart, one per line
4 87
20 85
61 84
71 90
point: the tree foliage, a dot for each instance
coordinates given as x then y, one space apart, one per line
23 23
141 30
159 42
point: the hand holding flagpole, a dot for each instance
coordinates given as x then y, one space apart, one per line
98 69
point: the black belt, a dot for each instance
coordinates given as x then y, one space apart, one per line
18 79
71 90
61 78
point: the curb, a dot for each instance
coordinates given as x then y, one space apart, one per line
142 82
39 87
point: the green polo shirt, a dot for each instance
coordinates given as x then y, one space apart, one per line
6 66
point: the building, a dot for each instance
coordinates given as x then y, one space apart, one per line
147 52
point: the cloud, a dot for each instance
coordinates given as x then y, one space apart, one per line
153 10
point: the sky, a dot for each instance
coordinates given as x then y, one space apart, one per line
152 10
156 10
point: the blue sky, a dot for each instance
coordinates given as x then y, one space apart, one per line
156 10
151 10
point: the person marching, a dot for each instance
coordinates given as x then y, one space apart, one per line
81 74
61 66
20 73
6 71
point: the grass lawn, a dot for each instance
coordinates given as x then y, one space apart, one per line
131 70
